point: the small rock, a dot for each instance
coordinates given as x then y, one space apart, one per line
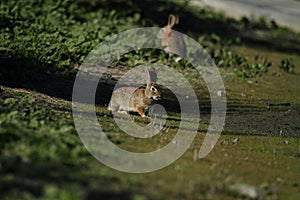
280 133
221 93
224 142
288 111
246 190
236 140
195 156
178 59
278 179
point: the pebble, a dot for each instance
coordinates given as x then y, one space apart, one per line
246 190
236 140
221 93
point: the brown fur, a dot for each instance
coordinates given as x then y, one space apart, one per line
142 98
171 40
126 99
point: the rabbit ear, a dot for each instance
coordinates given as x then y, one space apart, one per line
173 20
151 75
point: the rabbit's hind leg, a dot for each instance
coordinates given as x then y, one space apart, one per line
123 111
114 108
117 109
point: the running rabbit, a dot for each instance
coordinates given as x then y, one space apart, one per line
170 39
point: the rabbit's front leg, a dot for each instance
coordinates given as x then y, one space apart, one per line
140 110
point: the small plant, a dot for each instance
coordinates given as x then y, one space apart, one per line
58 34
218 48
287 65
240 64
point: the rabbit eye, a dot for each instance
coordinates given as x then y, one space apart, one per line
153 89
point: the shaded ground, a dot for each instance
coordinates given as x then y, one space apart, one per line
256 117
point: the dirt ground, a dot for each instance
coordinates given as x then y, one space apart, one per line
281 121
264 118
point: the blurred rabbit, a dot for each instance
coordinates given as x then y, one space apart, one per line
172 40
127 99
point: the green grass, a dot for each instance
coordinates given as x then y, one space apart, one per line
43 157
61 34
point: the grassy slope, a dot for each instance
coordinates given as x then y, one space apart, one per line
42 156
49 160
